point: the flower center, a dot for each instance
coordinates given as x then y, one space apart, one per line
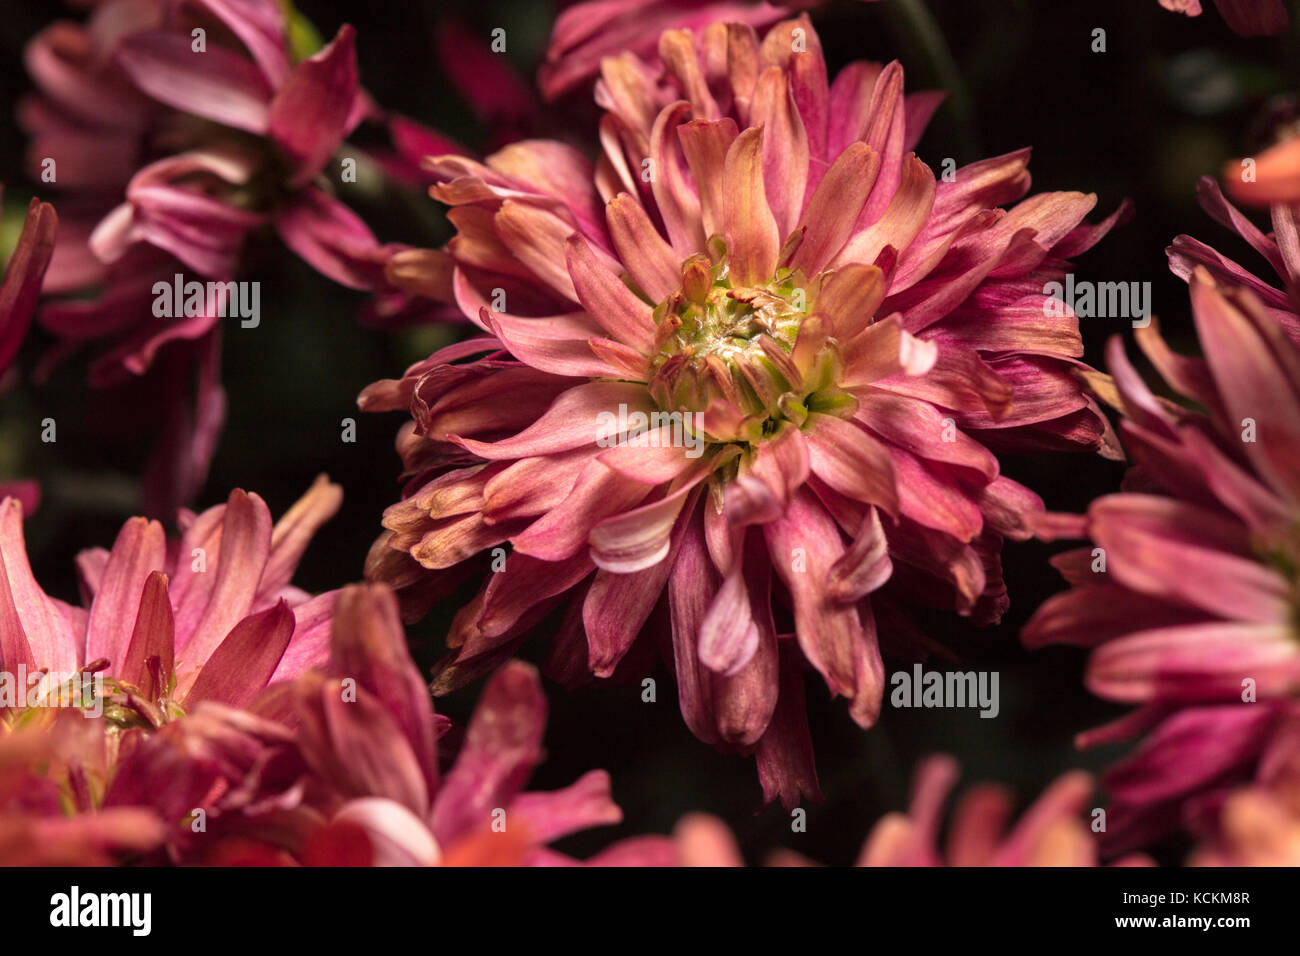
743 354
722 341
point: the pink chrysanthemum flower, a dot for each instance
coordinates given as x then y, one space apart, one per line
768 366
1280 248
1052 832
1188 593
209 616
218 131
1250 18
177 129
341 767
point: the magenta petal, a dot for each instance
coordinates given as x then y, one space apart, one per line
728 634
805 545
584 803
368 645
333 240
502 745
311 637
139 551
690 590
218 84
785 755
244 662
309 114
611 303
49 636
1196 662
245 544
615 610
154 635
572 421
260 26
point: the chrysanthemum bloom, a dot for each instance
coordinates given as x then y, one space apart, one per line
1281 249
177 129
1187 594
1259 824
1250 18
233 133
210 616
767 366
341 767
51 769
1054 831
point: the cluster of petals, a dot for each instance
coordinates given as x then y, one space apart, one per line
1187 593
1257 823
340 767
855 337
1279 248
211 615
1053 831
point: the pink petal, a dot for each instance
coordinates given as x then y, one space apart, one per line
218 84
502 745
245 544
751 229
309 113
611 303
243 663
139 551
333 240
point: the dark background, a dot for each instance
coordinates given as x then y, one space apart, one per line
1170 99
